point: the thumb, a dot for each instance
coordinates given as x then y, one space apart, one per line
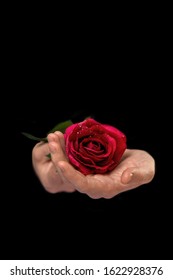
136 176
74 177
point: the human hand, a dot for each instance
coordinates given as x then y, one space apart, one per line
137 167
45 168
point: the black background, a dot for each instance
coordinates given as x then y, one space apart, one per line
118 78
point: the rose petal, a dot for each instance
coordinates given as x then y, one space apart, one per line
93 147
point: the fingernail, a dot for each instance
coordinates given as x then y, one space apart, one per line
51 137
61 167
52 147
130 177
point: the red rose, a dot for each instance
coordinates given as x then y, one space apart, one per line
93 147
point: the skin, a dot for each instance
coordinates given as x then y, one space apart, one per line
136 168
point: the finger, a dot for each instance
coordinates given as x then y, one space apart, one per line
57 153
55 147
136 176
61 138
77 179
40 152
